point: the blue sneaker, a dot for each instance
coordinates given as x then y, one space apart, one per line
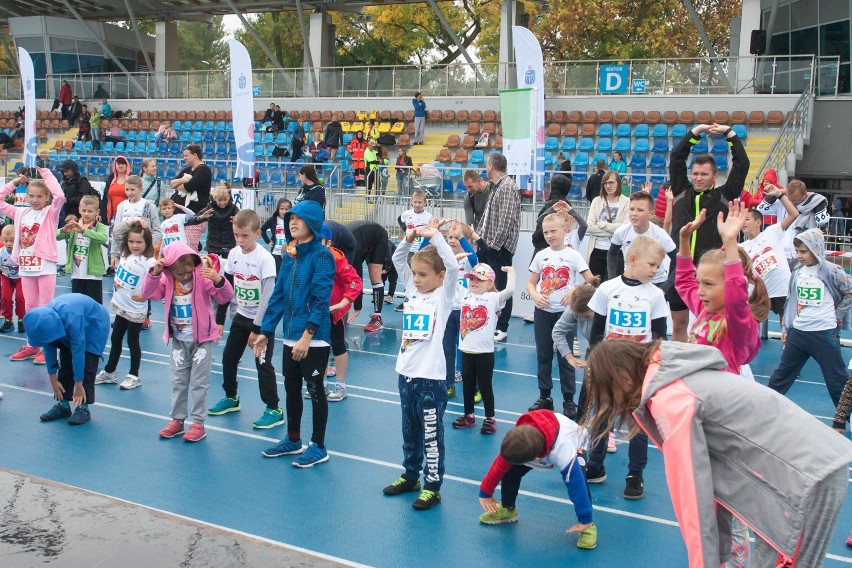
225 405
269 419
59 410
312 456
285 447
80 416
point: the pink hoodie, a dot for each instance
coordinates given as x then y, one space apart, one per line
45 241
162 287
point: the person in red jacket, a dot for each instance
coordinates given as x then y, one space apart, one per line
357 147
65 97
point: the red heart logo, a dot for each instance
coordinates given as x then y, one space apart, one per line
472 319
554 278
28 235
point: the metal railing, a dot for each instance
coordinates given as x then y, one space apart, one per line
774 74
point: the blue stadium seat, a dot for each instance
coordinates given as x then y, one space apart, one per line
701 147
174 148
720 146
177 125
281 138
604 144
605 130
622 130
641 145
476 157
548 160
721 162
637 176
455 171
657 161
679 131
78 146
268 138
291 178
258 150
741 131
637 160
187 125
661 145
641 130
229 126
622 145
108 147
580 176
171 172
347 138
208 136
87 146
658 176
185 136
101 172
275 178
230 137
197 137
268 151
131 136
551 143
209 125
581 160
220 136
569 143
221 174
198 126
130 147
209 148
447 186
600 156
660 131
221 149
220 126
341 152
586 144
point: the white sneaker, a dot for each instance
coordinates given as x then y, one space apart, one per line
610 443
130 382
336 393
500 335
104 378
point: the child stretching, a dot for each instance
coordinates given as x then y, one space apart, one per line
540 440
10 283
220 216
301 302
129 305
459 237
85 237
431 283
251 270
629 307
131 210
179 278
479 312
554 272
412 218
173 223
277 241
34 248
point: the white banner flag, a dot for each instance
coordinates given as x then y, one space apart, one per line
28 86
242 107
530 67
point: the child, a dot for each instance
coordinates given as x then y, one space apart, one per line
85 237
431 283
540 440
173 223
10 283
554 272
479 312
77 327
628 307
179 278
640 211
818 303
275 224
35 248
220 216
133 209
129 305
251 270
730 447
389 274
302 298
412 218
575 323
459 238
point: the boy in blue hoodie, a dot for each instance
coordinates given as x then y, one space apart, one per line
77 327
300 301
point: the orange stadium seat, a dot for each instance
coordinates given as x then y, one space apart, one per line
460 156
476 115
449 116
774 118
704 117
670 117
590 116
687 117
498 142
738 117
587 129
436 115
756 118
721 117
473 128
560 117
453 141
444 155
621 117
462 116
468 142
653 117
553 130
570 129
605 116
637 117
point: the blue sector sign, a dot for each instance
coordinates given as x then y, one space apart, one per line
255 90
613 78
638 85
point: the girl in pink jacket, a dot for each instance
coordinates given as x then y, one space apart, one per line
35 243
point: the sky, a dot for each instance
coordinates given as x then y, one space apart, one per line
231 24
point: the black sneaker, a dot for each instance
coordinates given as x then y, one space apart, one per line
21 326
400 307
634 488
402 485
595 474
543 403
80 416
569 409
7 326
427 500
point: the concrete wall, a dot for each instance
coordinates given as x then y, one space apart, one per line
830 152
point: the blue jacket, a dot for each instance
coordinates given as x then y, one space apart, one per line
419 107
72 321
302 291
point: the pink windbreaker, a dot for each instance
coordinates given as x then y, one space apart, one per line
45 241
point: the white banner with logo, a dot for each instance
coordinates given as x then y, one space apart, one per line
28 85
530 66
242 108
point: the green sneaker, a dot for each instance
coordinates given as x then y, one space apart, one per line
224 406
477 398
588 538
268 419
402 485
451 392
427 500
503 515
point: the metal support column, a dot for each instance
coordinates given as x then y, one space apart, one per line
707 45
141 45
454 37
309 85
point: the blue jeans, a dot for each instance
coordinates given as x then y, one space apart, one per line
824 346
423 402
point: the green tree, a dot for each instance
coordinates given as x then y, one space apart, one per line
199 42
6 66
280 32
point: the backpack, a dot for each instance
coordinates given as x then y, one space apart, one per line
387 139
280 152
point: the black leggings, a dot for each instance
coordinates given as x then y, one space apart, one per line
311 369
478 369
119 327
597 263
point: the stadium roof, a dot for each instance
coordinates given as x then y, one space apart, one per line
115 10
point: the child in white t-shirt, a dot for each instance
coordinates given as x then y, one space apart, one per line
460 238
479 312
133 209
173 224
415 217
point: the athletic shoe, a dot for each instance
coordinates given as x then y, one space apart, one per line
375 323
172 429
105 378
39 360
595 474
402 485
500 335
7 326
312 456
130 382
21 326
543 403
389 300
569 409
427 500
477 398
849 540
451 392
588 538
330 372
269 419
80 416
336 393
24 353
146 323
464 421
59 410
502 516
399 307
635 487
610 443
307 395
195 433
489 426
224 406
285 447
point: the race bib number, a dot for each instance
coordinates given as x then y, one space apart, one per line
181 311
126 279
247 292
81 249
628 320
29 263
418 321
169 240
810 291
280 238
765 261
463 283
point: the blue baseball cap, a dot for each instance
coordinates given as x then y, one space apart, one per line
325 233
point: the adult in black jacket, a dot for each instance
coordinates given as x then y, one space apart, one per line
702 193
192 184
74 186
343 239
560 186
312 189
333 137
593 186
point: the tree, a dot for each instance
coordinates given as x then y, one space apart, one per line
6 65
280 32
197 42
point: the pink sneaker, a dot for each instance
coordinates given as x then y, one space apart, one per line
375 323
610 443
39 360
24 353
195 433
849 540
172 429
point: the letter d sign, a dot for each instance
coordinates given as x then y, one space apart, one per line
613 78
